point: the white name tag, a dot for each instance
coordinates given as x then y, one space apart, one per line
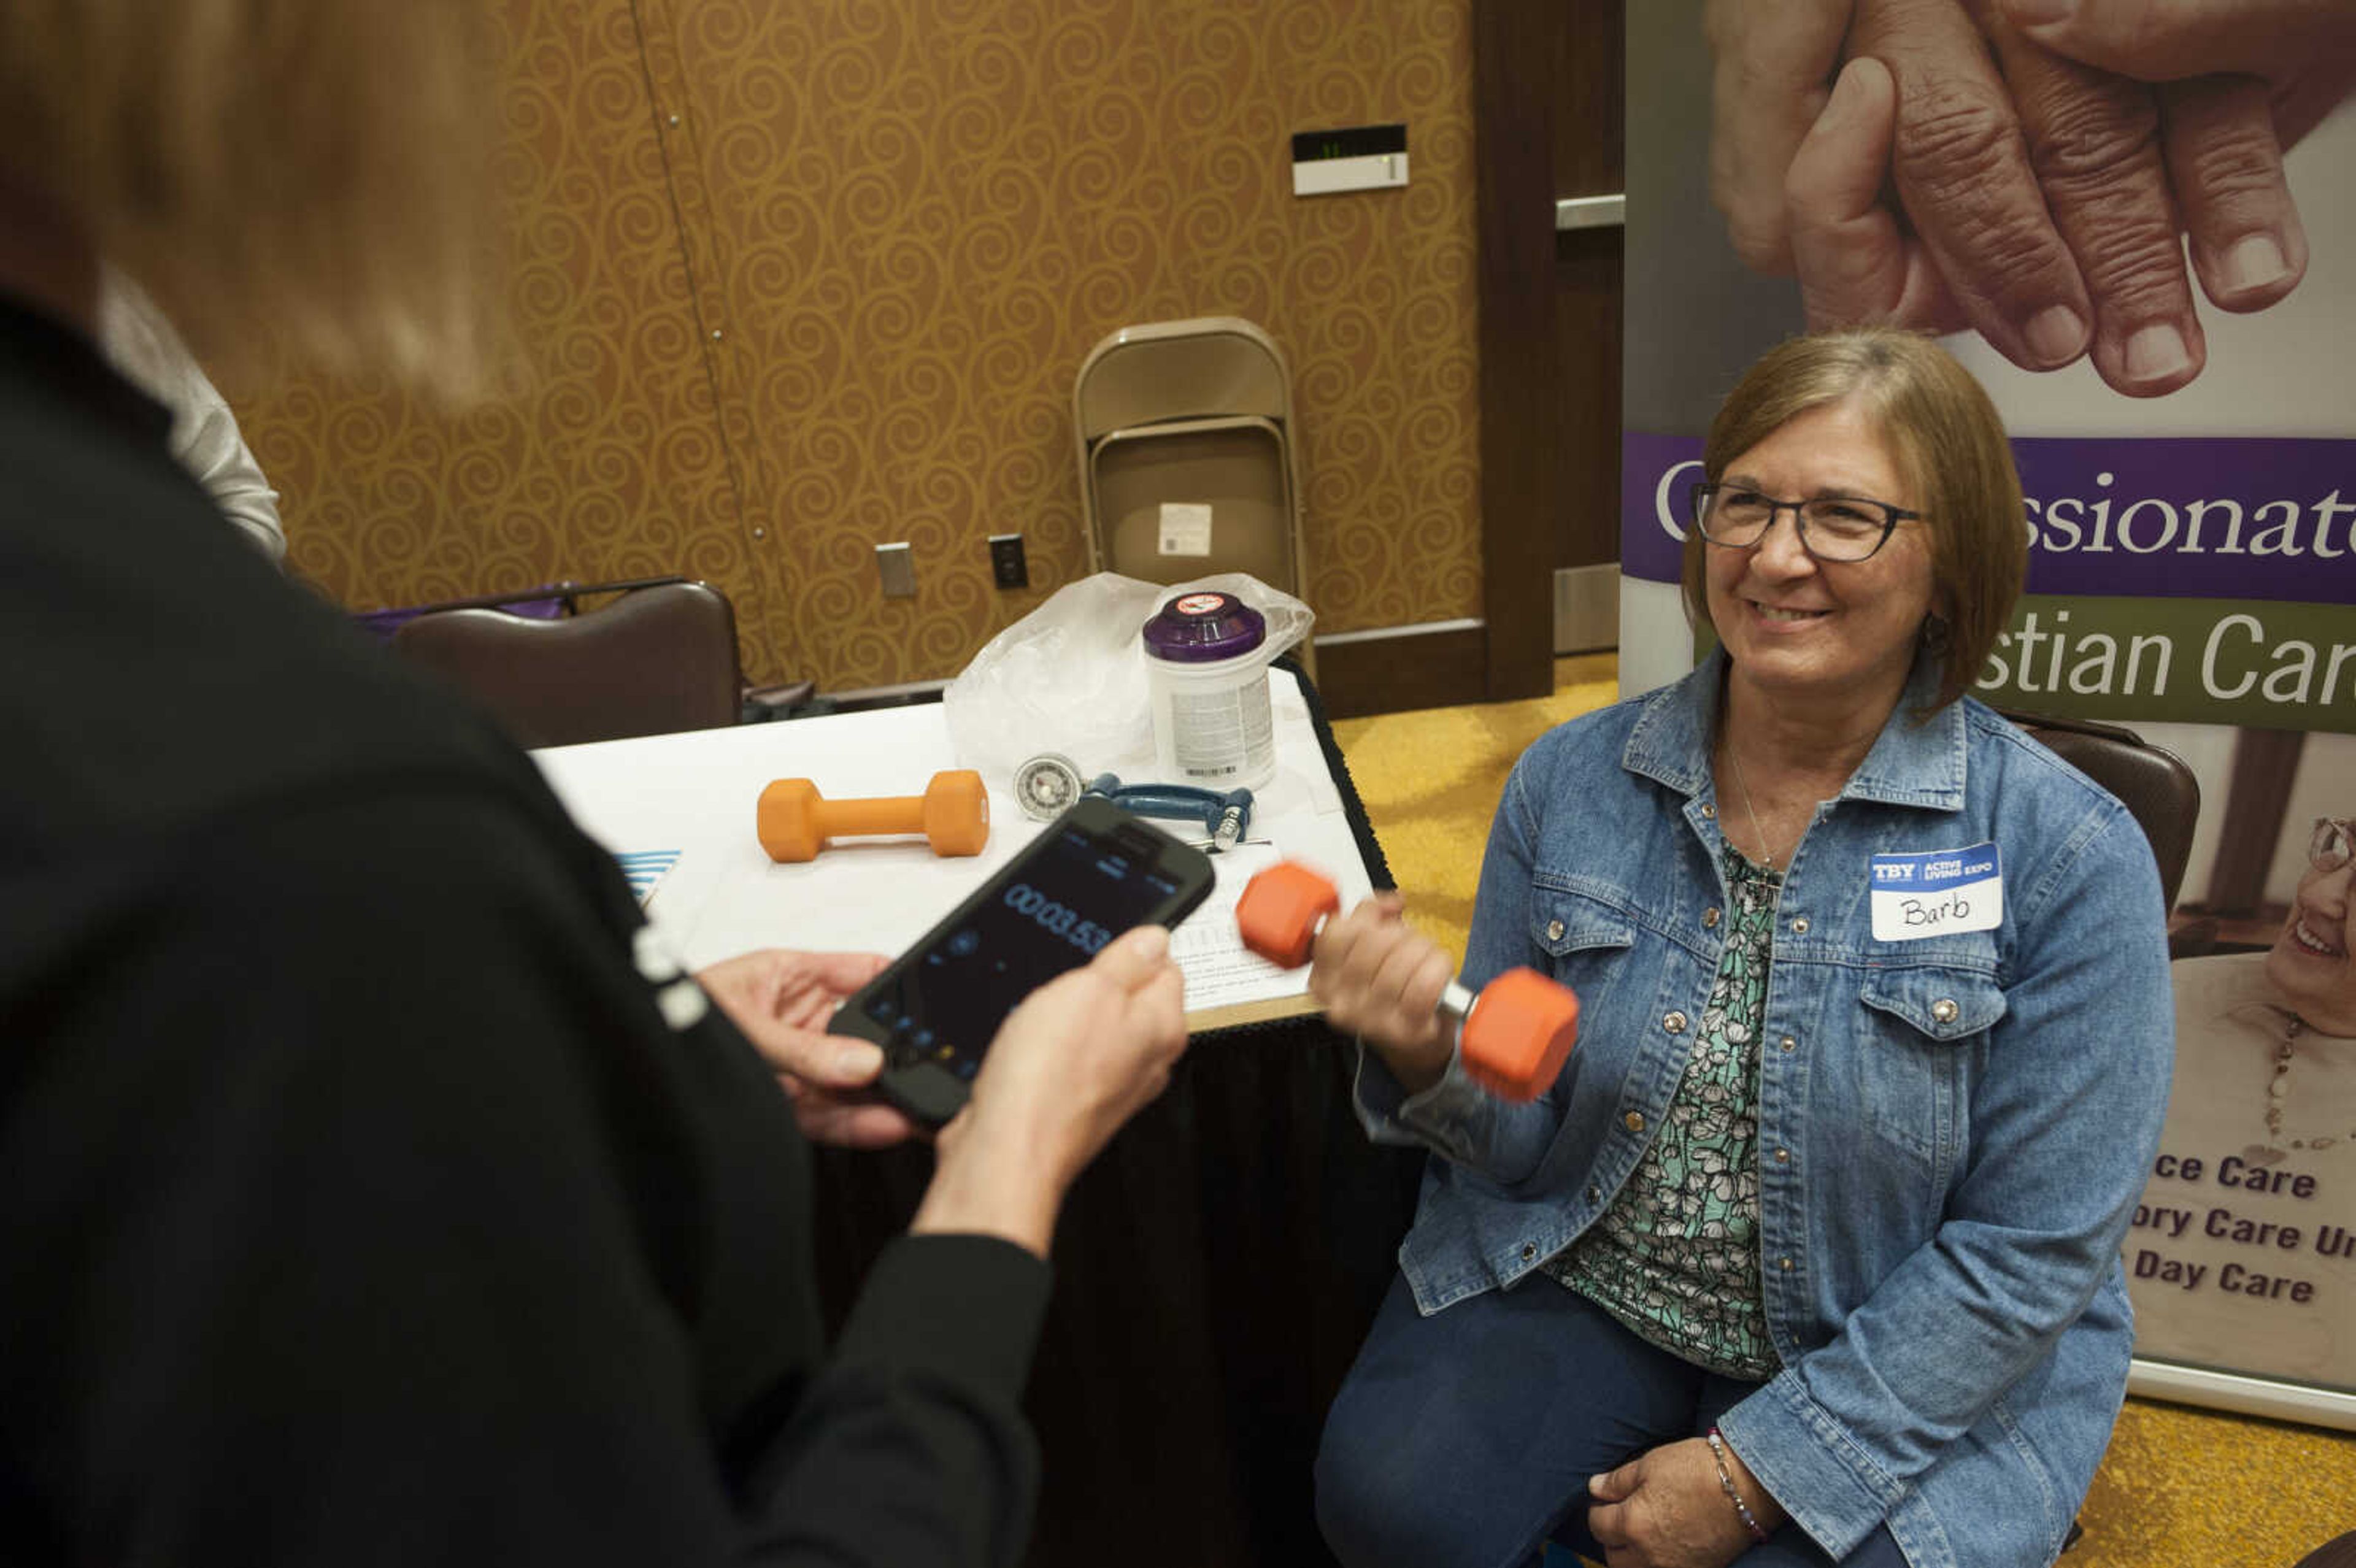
1936 892
1185 527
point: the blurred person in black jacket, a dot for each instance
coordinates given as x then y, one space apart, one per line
374 1189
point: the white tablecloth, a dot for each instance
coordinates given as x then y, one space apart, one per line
695 793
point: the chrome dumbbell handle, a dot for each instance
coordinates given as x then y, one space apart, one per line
1456 999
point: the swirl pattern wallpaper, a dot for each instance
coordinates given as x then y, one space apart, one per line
792 280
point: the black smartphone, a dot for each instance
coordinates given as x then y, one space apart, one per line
1093 873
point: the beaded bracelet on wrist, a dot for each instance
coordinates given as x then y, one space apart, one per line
1725 1484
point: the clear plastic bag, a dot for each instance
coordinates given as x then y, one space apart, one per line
1069 677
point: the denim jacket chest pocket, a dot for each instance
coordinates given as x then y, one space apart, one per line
1583 935
1921 1026
1592 939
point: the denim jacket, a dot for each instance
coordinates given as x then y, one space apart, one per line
1952 1131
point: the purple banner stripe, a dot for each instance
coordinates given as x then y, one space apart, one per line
2157 517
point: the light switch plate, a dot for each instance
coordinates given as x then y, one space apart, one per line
1376 172
898 570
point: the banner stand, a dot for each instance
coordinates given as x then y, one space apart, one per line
2241 1394
2192 576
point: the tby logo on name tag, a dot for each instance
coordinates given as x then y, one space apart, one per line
1936 892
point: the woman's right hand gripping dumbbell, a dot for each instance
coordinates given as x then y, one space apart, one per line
1379 979
1397 990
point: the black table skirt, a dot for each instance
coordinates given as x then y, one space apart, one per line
1215 1271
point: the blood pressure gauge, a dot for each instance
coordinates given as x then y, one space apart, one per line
1047 785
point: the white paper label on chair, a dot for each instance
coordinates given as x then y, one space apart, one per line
1185 527
1936 893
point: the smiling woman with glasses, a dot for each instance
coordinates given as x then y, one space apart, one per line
1811 1254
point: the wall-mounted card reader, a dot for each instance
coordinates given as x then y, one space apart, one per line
1358 157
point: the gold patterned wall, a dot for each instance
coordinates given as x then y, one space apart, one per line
795 278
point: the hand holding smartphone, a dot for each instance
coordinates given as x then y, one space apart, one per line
1093 873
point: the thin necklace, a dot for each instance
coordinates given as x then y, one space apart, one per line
2278 1089
1744 785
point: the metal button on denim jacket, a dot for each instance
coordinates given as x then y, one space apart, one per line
1964 1122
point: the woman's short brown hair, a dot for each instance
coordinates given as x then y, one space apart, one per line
311 171
1950 449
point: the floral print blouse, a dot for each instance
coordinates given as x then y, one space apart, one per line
1676 1258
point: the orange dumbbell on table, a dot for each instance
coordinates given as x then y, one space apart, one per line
1516 1032
953 814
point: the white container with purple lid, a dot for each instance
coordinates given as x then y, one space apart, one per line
1206 660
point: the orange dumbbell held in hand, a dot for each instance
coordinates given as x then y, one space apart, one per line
1516 1034
953 814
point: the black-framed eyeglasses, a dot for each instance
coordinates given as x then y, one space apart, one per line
2333 843
1831 528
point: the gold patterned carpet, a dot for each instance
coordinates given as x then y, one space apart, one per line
2181 1485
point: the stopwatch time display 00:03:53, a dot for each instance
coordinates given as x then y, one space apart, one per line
1060 920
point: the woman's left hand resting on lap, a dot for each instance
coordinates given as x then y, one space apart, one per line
781 999
1666 1508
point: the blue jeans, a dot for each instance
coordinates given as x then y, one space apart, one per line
1465 1439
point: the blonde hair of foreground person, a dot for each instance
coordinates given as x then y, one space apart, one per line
1949 444
311 172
